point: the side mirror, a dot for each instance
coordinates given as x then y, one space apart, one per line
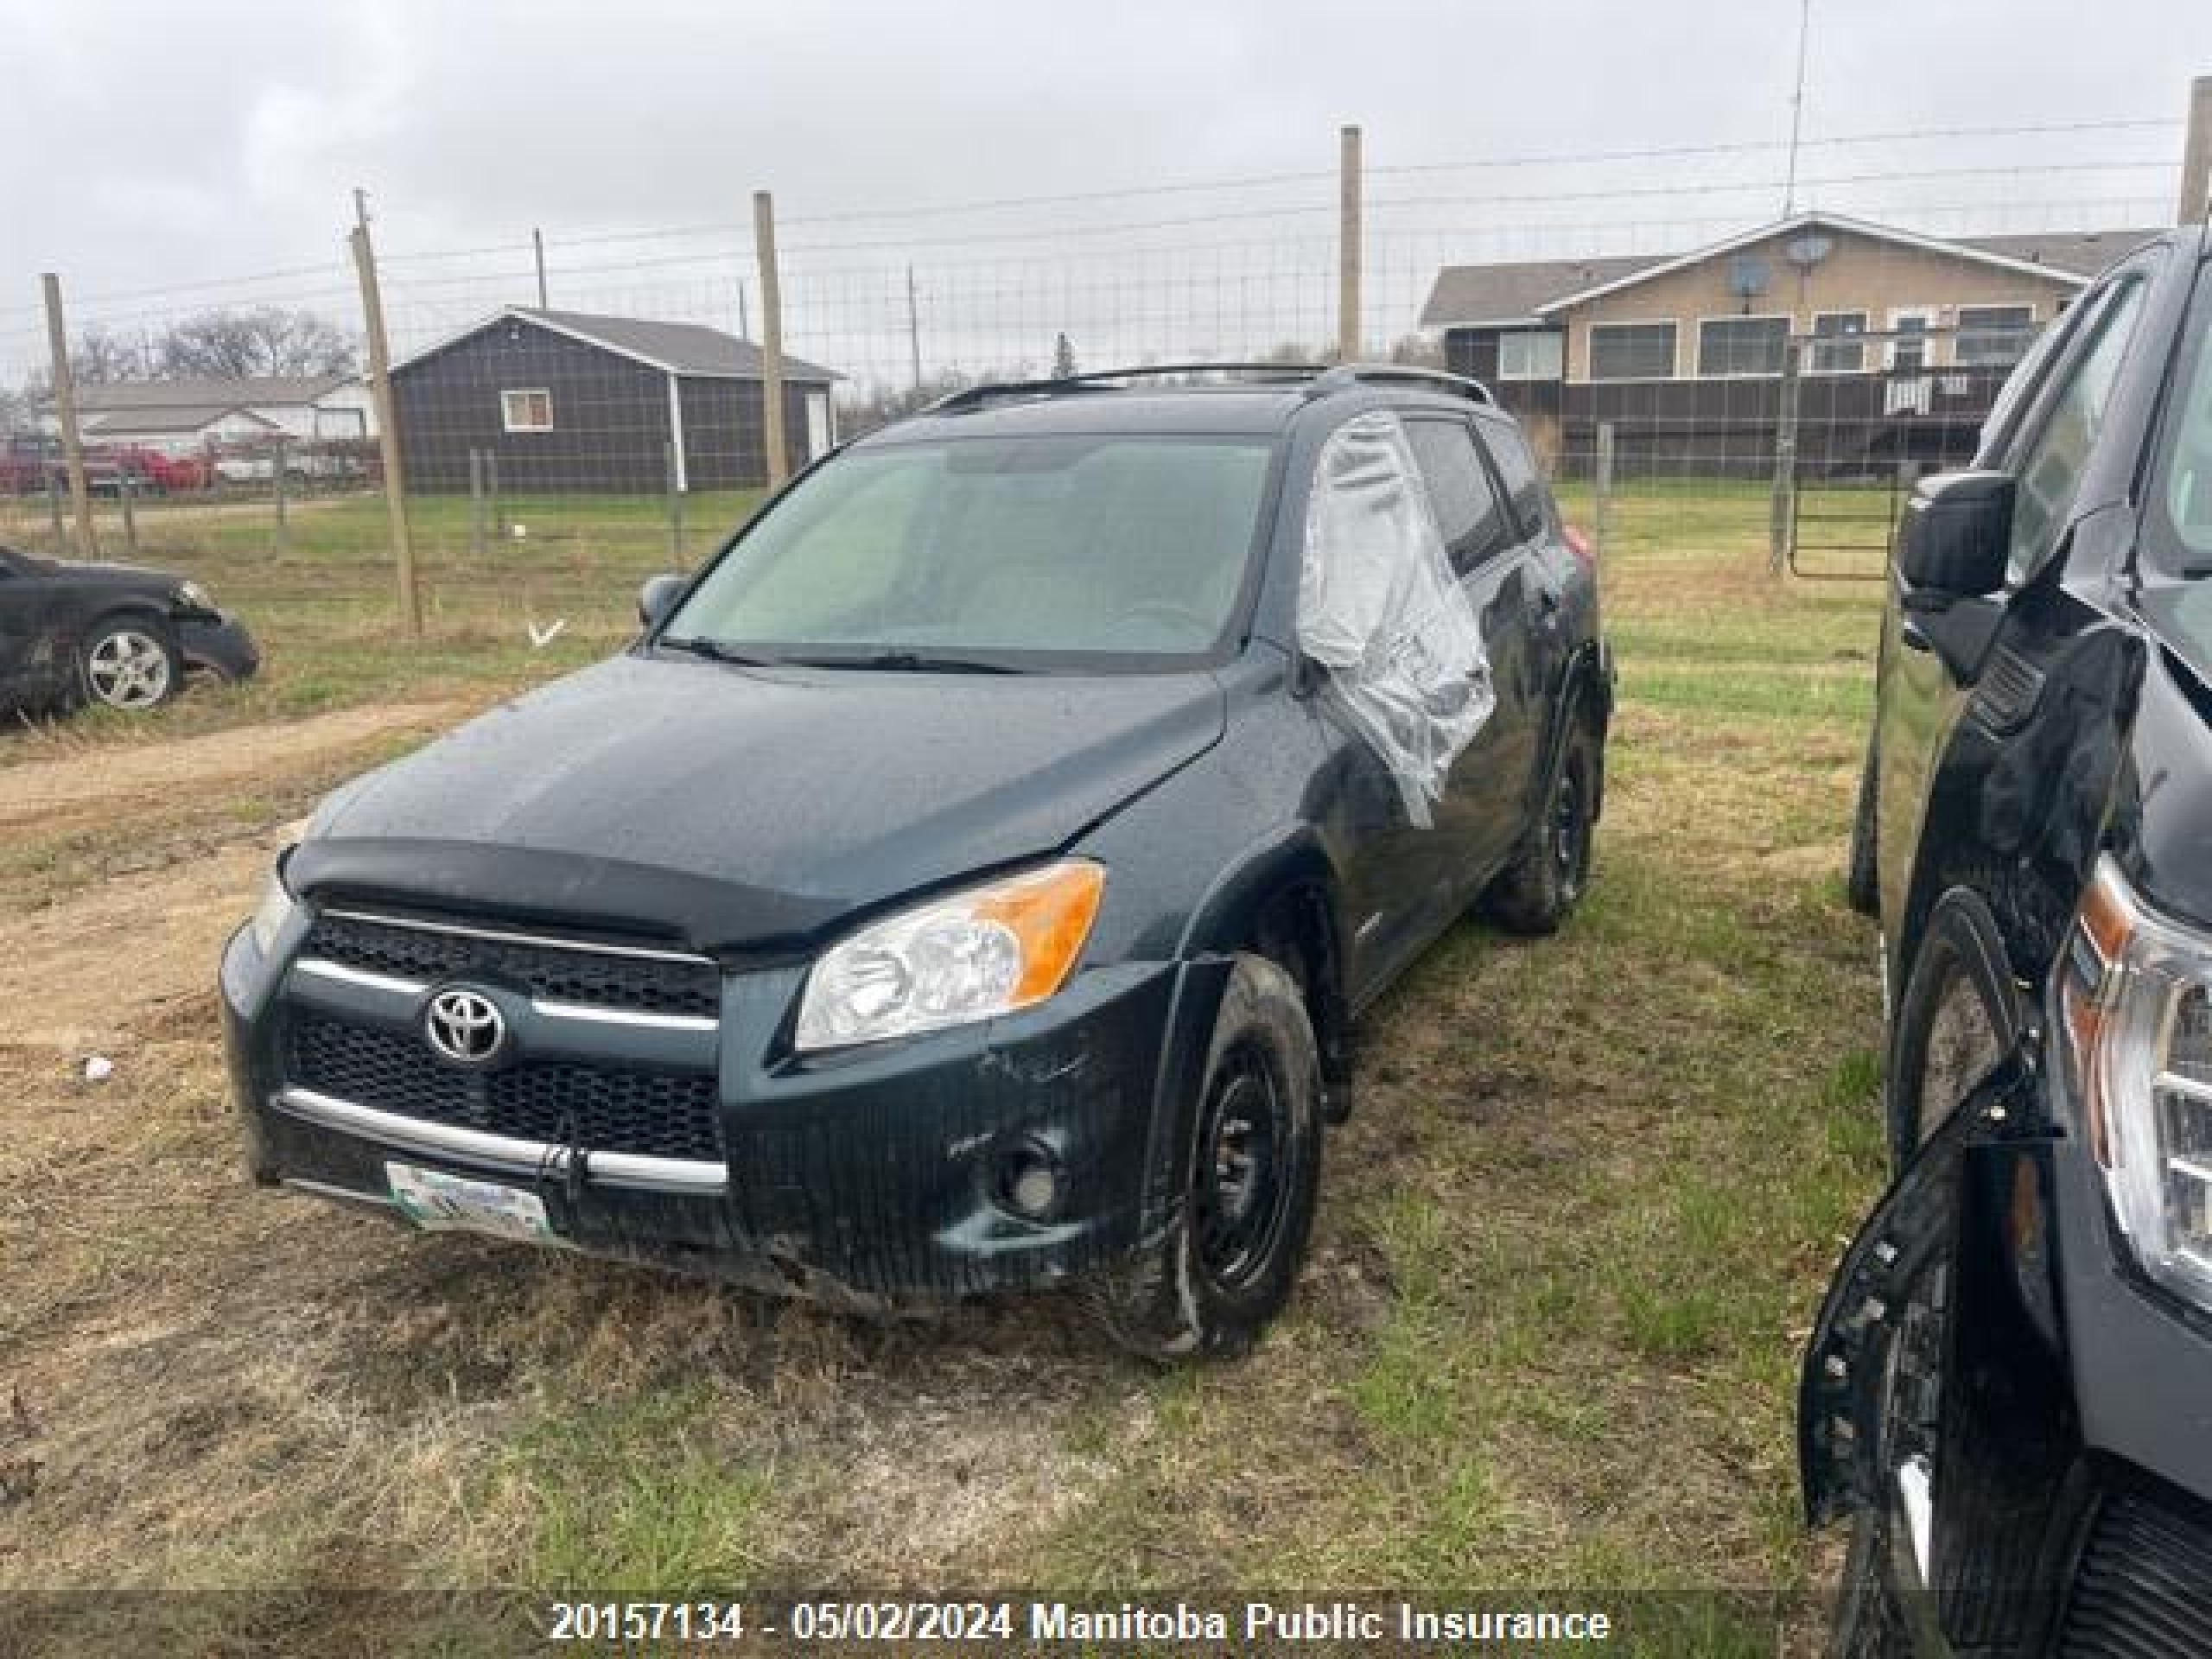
657 597
1957 535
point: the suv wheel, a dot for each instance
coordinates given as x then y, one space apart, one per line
1541 887
1251 1173
1862 882
1958 1018
129 664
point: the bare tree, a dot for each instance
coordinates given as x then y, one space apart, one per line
266 340
1418 351
1063 360
100 357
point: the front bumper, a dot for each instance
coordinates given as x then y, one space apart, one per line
218 645
878 1175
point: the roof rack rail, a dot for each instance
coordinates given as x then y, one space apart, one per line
1348 374
1318 378
977 396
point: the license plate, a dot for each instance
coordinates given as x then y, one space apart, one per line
438 1202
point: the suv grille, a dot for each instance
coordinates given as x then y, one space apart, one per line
558 973
600 1108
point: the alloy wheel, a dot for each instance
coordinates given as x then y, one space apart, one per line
129 669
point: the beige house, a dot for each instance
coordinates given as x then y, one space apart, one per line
1900 341
1861 296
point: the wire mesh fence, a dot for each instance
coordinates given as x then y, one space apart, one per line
1731 353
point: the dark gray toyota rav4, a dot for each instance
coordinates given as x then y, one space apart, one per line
968 879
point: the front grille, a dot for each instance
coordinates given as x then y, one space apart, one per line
600 1108
558 973
2144 1586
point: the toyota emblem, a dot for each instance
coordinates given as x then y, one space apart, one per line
465 1026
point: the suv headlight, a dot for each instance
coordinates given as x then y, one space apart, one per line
272 913
2135 1001
986 951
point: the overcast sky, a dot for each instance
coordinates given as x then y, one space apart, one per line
155 147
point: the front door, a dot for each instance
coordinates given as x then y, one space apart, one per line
821 432
1920 702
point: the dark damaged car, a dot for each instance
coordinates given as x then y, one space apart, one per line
111 634
969 881
2010 1384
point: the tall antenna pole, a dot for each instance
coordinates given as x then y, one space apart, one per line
538 247
1797 107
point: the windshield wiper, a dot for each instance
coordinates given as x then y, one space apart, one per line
713 649
907 662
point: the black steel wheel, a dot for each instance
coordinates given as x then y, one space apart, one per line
1250 1176
1545 881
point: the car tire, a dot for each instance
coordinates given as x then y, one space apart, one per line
1862 881
1960 1015
1250 1177
1867 1623
130 664
1544 882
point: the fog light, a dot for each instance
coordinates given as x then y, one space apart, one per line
1029 1181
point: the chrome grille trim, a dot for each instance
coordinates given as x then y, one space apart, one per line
395 986
689 1176
638 952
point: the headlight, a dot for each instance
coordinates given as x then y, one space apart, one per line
986 951
193 597
270 915
2135 998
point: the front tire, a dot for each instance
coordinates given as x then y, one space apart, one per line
129 664
1958 1017
1251 1176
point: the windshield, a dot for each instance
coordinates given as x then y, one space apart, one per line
1014 552
2180 519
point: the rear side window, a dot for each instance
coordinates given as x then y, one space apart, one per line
1524 485
1468 511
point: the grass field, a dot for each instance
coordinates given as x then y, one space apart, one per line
1568 1251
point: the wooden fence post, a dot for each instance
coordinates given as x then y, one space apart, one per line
395 489
1350 248
772 340
65 415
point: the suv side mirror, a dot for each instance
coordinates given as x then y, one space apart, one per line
657 597
1956 538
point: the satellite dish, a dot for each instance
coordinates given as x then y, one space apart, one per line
1747 277
1805 251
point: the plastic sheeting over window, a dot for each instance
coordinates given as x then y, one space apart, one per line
1379 607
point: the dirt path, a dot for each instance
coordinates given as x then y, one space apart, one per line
73 785
79 976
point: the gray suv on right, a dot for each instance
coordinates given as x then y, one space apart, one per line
2010 1386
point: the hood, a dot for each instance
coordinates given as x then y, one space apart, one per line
2164 817
110 576
735 807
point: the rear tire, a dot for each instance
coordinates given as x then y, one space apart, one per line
1862 883
1541 887
1251 1174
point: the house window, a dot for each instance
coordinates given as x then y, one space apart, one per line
1908 351
1992 336
1532 355
1837 346
526 412
1632 351
1730 347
